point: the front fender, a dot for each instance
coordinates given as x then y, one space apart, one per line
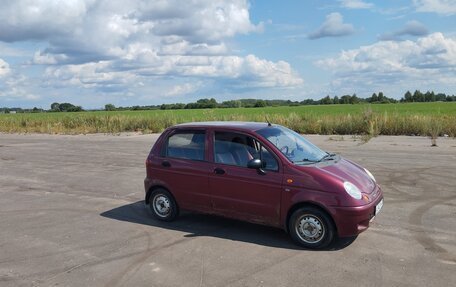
298 197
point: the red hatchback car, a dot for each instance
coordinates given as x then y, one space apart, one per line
261 173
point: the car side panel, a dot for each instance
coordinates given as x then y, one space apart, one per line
186 179
243 193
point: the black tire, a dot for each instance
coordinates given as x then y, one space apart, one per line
311 228
163 205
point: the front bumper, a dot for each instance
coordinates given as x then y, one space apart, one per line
351 221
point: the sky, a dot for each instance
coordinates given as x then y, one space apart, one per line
137 52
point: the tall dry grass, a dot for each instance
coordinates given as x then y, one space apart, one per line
366 123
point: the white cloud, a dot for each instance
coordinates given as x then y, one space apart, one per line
269 74
89 30
247 71
333 26
428 60
411 28
89 75
355 4
16 86
13 85
184 89
4 68
444 7
112 45
48 59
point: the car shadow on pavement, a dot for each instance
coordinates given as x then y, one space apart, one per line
214 226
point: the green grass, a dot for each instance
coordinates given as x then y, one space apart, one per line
363 119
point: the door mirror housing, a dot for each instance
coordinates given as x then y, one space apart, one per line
257 164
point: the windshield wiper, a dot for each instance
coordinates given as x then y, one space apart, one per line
306 160
327 156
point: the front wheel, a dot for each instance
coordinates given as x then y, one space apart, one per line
162 205
311 228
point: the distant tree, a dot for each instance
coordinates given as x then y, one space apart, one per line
178 106
440 97
373 98
336 100
204 104
55 107
418 96
260 104
67 107
76 109
326 100
110 107
408 97
231 104
354 99
345 99
429 96
309 102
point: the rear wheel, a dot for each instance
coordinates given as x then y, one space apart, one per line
311 227
162 205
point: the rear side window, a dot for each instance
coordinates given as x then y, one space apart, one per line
187 145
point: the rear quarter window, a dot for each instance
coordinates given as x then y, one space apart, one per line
186 145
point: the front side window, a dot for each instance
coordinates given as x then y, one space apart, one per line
187 145
297 149
238 149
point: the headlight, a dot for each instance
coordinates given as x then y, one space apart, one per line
352 190
370 175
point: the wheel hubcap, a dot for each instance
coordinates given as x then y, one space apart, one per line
310 228
162 206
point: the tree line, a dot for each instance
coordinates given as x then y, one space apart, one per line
55 107
375 98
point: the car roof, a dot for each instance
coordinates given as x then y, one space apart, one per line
245 126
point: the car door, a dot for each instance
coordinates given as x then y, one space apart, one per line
184 169
241 192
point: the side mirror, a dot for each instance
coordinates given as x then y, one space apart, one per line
254 163
257 164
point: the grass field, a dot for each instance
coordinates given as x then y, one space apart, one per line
364 119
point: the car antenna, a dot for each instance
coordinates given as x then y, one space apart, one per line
269 123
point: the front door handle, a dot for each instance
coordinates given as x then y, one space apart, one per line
166 163
219 170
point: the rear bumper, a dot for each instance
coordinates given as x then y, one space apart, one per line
147 185
351 221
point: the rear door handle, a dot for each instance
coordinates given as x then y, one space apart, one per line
219 170
166 163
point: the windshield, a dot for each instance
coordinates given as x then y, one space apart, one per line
296 148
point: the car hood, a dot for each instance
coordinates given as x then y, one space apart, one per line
341 169
349 171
